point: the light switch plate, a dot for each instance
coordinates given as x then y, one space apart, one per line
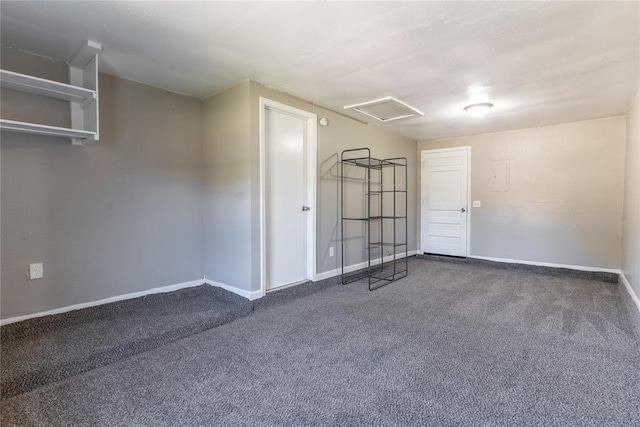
35 271
476 203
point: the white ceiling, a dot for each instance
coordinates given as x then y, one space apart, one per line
540 63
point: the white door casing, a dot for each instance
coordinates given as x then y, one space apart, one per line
288 179
444 218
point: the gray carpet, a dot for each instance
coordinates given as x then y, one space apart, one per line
44 350
451 344
601 276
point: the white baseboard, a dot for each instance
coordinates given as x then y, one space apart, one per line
632 293
253 295
548 264
132 295
354 267
250 295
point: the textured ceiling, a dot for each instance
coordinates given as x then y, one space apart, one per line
539 62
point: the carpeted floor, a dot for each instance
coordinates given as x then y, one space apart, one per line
451 344
49 349
44 350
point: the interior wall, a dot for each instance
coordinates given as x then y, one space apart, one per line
120 215
631 227
231 114
342 134
227 190
551 194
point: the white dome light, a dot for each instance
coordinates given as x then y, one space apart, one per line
478 110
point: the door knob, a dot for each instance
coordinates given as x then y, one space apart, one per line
306 208
463 210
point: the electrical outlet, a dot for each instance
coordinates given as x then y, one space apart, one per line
476 203
35 271
332 251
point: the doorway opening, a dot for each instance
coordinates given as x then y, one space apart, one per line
288 151
444 201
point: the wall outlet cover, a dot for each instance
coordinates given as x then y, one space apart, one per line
35 271
476 203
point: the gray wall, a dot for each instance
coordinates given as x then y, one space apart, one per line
564 201
120 215
342 134
631 227
227 189
127 213
243 256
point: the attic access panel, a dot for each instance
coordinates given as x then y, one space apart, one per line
385 109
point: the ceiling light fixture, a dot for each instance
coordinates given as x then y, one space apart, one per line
478 110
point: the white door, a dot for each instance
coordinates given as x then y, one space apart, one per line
286 259
444 210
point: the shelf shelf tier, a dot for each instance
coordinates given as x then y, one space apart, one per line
373 217
370 162
386 273
82 95
376 192
38 129
44 87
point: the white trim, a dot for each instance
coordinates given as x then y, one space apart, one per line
469 203
311 142
354 267
263 204
444 150
547 264
632 293
132 295
250 295
290 285
254 295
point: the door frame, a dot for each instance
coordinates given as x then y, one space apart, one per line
469 203
311 151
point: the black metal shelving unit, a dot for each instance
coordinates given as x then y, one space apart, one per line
383 207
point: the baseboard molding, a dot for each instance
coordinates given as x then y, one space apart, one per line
354 267
250 295
630 290
548 264
132 295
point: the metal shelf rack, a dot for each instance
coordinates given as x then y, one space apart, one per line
381 208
